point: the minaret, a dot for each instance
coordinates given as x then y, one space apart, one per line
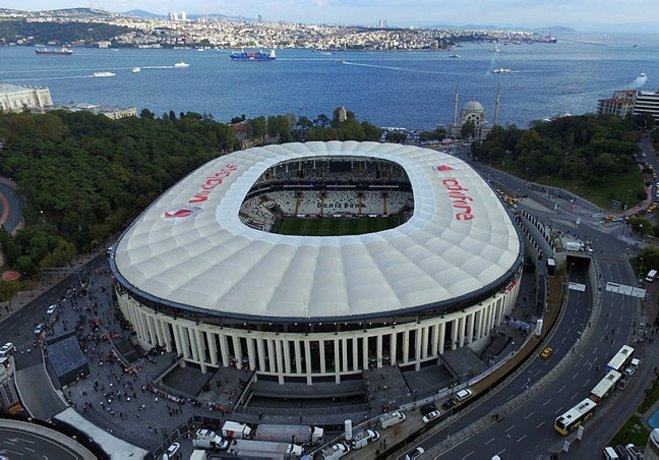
496 107
455 108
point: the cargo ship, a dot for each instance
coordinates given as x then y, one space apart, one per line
54 52
253 56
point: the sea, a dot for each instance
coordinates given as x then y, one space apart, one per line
410 89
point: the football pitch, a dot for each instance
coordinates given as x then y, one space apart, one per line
334 226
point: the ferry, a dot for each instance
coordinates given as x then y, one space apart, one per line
253 56
502 70
135 69
54 52
181 65
104 74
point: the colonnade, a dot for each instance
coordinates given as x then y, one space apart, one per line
314 355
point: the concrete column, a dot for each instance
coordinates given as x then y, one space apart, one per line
158 327
378 346
442 336
470 327
479 324
321 350
344 355
434 333
251 356
365 351
193 344
461 330
143 330
337 360
177 340
260 348
201 346
355 353
224 350
287 355
153 338
298 356
307 360
280 365
212 347
392 347
237 351
167 336
417 348
271 355
425 340
406 346
454 333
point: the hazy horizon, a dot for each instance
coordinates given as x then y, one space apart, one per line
582 15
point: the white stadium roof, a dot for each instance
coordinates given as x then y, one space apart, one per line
190 249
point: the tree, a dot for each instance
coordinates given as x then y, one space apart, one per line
146 113
468 129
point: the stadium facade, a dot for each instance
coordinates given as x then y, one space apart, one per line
202 271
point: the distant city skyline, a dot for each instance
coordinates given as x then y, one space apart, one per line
630 15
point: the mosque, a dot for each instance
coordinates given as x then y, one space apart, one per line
472 111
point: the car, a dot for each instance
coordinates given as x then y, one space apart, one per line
6 349
431 417
546 353
415 453
622 384
340 449
448 404
173 450
51 309
427 408
463 394
39 329
630 371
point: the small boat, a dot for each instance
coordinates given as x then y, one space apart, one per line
502 70
181 65
104 74
326 53
135 69
642 75
495 49
454 55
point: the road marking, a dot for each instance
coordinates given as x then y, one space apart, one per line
546 402
563 341
586 382
510 428
490 441
540 424
561 389
468 454
31 450
560 410
595 350
521 438
574 376
529 415
573 396
536 372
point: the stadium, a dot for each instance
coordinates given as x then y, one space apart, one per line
311 262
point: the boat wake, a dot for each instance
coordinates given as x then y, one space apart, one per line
638 82
399 69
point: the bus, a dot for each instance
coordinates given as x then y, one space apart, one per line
621 359
604 387
573 418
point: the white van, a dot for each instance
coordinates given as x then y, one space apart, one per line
463 394
652 274
610 454
390 419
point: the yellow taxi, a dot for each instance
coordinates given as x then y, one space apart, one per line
546 353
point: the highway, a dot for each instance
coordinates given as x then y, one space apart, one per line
527 431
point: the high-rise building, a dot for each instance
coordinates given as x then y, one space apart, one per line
184 16
173 16
647 102
621 104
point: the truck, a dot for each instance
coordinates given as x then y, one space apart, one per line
297 434
364 438
198 454
264 449
390 419
574 246
238 430
207 439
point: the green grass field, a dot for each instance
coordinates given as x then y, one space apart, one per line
334 226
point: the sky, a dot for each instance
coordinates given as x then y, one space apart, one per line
605 15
